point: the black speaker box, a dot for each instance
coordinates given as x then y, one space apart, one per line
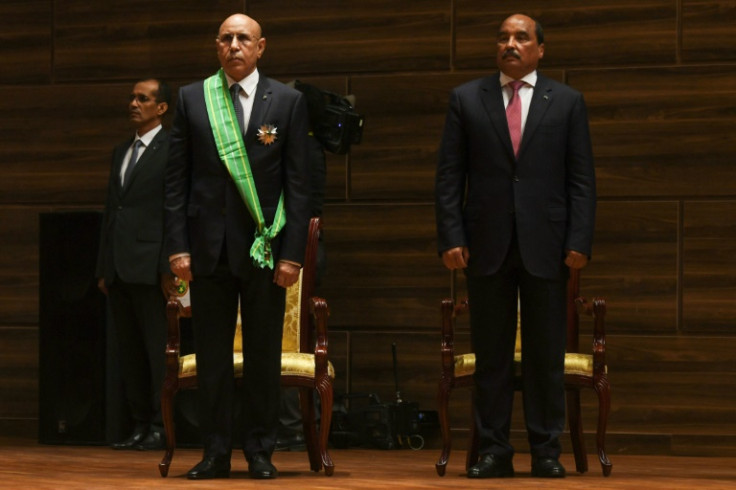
72 336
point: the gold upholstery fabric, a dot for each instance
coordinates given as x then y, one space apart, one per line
292 364
292 361
292 317
574 364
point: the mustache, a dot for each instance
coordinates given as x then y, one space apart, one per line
511 52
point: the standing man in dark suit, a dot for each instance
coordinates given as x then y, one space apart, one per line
130 263
237 214
515 204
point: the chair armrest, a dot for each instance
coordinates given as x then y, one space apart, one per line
174 310
596 309
318 317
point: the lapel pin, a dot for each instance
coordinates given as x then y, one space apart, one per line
545 97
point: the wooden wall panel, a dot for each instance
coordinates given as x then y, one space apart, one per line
405 116
577 33
702 22
19 373
709 267
652 137
634 265
126 40
418 365
673 385
382 266
354 36
26 41
62 153
19 266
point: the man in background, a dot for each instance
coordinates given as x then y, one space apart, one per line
129 264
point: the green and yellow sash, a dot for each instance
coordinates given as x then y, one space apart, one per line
231 147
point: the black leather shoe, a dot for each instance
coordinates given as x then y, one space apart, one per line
293 442
135 438
153 441
210 467
547 468
260 467
492 466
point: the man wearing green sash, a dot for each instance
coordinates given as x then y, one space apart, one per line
237 213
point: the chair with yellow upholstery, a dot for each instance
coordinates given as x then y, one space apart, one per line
304 362
581 370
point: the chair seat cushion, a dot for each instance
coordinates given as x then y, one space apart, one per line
581 364
292 364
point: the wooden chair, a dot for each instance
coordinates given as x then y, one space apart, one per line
304 362
581 370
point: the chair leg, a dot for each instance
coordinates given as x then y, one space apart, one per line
443 399
575 423
306 402
167 399
472 457
602 388
324 388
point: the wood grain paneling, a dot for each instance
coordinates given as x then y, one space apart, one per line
702 22
19 373
634 265
62 153
676 385
19 266
418 365
354 36
25 49
126 40
382 266
709 267
577 33
405 116
652 136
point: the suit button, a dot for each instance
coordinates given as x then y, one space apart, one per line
120 208
516 178
223 211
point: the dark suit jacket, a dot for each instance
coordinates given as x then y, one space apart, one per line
483 191
133 224
203 207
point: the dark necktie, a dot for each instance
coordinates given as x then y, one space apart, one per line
513 115
133 159
235 94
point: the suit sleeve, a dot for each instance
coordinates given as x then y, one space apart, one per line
296 184
450 180
581 189
176 184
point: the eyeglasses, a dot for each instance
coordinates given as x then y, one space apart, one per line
142 99
227 39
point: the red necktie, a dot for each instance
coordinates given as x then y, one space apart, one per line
513 115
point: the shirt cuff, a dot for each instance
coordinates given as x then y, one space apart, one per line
176 256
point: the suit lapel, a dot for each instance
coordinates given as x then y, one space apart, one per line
492 99
541 101
147 155
118 162
261 105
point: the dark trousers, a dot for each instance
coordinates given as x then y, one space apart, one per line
139 317
493 318
214 316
